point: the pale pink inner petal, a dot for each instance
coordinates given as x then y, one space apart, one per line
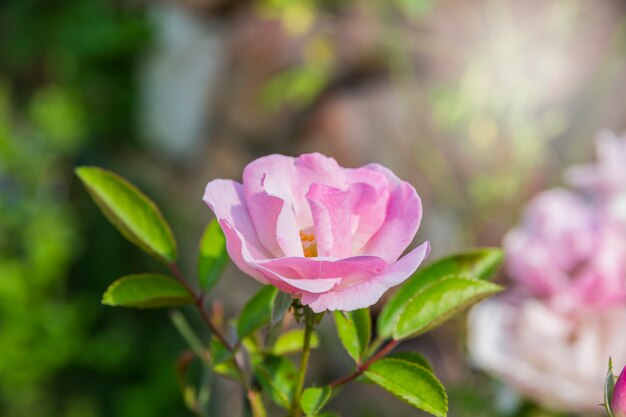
369 210
331 209
402 219
269 190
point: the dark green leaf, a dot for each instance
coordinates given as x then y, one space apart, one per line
438 302
282 302
257 312
478 263
219 353
130 211
314 399
411 383
293 341
277 375
146 291
354 329
212 258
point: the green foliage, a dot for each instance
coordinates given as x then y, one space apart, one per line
257 312
277 375
438 302
411 383
609 386
146 291
354 330
212 258
413 357
292 341
314 399
131 212
479 263
282 302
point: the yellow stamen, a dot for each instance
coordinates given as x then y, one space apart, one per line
308 244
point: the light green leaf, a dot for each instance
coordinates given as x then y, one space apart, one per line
354 330
130 211
212 257
257 312
411 383
277 375
146 291
314 399
479 263
438 302
412 357
293 341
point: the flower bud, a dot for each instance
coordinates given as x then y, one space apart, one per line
618 400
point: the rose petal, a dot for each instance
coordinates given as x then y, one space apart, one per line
403 216
369 212
366 293
269 191
225 198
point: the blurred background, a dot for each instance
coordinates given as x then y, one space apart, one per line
478 103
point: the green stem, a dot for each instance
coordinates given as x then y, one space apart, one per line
309 326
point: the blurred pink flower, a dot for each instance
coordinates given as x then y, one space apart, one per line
551 334
568 253
556 359
328 235
618 401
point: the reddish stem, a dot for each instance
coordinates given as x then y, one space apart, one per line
362 368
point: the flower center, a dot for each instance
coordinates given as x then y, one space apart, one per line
308 244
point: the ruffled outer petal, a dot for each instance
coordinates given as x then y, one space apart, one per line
402 219
367 292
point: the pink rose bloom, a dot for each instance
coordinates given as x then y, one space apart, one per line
567 253
550 336
618 400
328 235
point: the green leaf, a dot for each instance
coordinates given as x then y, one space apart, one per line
257 312
354 330
146 291
411 383
219 353
293 341
277 375
609 386
282 302
314 399
130 211
478 263
212 257
438 302
412 357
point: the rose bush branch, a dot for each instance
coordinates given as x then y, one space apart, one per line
320 238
